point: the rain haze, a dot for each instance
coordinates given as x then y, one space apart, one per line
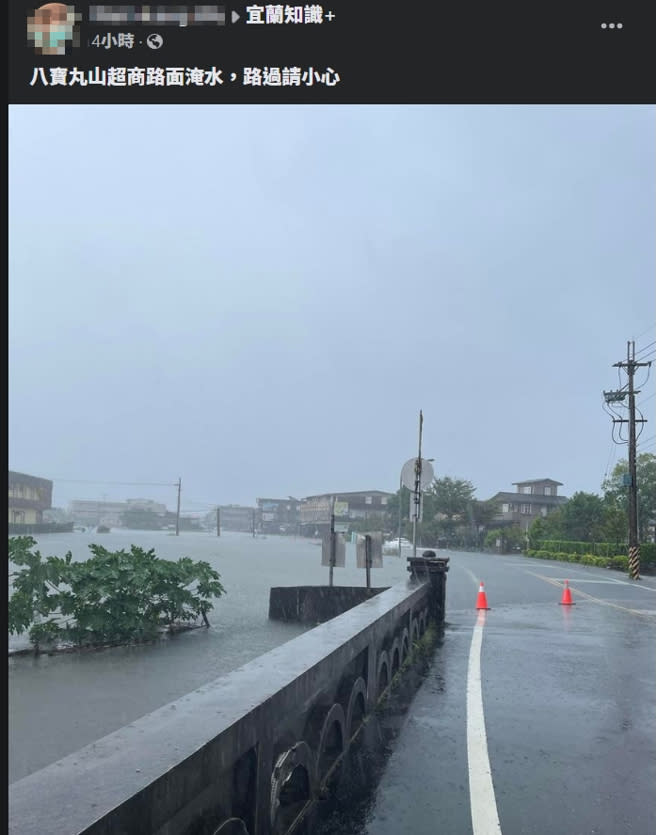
260 300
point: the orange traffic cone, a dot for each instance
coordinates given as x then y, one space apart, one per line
567 596
481 601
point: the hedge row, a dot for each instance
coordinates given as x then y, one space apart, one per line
618 562
605 549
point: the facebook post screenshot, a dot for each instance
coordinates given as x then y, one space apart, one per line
403 250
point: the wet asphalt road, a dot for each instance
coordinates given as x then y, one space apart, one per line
568 701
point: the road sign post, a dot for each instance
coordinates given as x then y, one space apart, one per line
416 474
332 542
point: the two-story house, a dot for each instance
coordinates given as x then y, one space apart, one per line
314 511
29 496
532 500
278 515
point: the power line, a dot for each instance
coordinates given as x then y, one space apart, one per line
651 327
611 458
646 380
642 350
118 483
649 356
203 503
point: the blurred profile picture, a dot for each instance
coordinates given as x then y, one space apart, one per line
51 29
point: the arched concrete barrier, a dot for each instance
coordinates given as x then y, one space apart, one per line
290 792
332 742
357 707
395 655
414 630
405 644
232 826
382 674
236 746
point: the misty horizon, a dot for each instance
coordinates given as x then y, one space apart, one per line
259 300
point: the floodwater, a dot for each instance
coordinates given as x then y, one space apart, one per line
59 703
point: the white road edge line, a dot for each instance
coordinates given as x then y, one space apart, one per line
484 814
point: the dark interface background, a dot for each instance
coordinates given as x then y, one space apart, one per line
333 52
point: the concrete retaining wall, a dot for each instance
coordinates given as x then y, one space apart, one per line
315 604
247 753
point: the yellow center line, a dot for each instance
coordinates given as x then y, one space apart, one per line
587 596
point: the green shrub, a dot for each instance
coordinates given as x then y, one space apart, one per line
618 561
113 597
600 549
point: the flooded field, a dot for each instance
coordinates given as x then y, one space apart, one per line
60 703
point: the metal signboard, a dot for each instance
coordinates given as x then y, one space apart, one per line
376 550
340 551
408 474
341 508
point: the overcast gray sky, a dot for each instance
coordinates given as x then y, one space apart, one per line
260 299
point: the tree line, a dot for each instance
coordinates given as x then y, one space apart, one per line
589 517
453 517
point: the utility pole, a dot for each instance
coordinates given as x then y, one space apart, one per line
367 558
400 511
617 397
332 542
417 495
218 521
177 513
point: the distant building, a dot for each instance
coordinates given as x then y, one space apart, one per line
314 511
88 512
278 515
147 504
29 496
238 518
534 499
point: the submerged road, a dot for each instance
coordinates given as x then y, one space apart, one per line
535 718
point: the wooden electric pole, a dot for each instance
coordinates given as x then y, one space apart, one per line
333 543
417 494
367 558
177 513
618 396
